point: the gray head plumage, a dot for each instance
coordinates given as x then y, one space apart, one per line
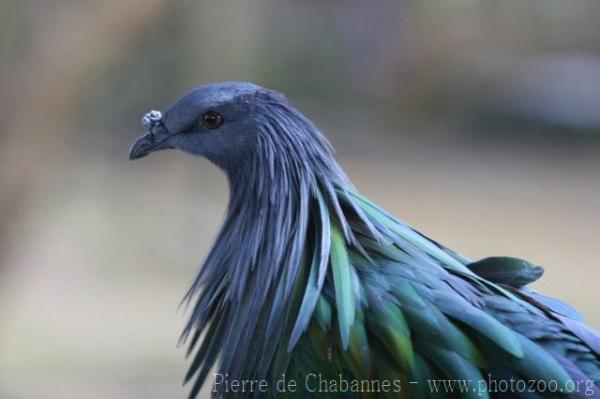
257 133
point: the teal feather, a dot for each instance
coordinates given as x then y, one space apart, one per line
506 270
456 367
342 281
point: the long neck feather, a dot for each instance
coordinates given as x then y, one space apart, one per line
277 223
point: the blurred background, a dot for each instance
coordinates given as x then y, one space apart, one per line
477 122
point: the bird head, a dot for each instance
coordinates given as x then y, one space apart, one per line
212 121
238 126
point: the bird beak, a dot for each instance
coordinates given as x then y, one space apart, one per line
143 146
156 139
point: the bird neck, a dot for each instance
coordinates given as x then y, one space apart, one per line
285 202
277 233
269 222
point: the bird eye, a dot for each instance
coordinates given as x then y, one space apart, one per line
212 120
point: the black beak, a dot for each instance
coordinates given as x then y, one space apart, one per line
142 146
145 145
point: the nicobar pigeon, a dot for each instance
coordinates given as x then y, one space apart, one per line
307 275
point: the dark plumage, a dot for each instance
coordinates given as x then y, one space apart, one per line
309 276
